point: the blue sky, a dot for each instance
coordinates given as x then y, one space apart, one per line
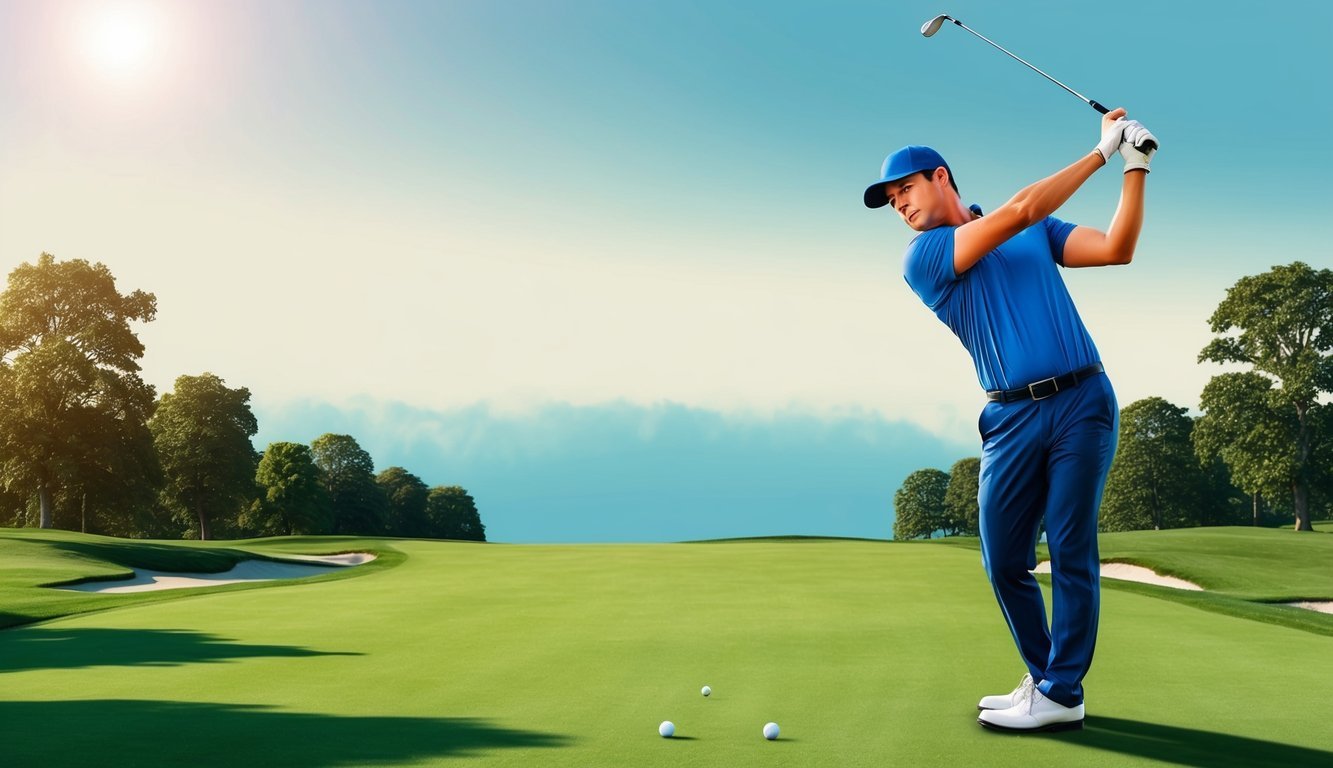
388 214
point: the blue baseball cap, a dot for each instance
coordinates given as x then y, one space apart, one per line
901 164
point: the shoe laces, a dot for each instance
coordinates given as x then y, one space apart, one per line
1027 690
1024 683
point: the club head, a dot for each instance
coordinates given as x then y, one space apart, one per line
933 26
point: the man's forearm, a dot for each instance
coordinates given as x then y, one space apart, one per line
1042 198
1123 234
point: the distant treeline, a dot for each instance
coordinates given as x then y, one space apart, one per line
86 445
1261 452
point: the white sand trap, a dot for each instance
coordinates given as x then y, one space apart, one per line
1127 572
1308 605
350 558
245 571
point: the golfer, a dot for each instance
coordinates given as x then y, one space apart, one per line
1049 429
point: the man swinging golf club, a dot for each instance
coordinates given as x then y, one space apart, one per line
1050 424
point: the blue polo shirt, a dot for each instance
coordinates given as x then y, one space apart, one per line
1011 310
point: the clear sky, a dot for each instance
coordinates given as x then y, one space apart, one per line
433 207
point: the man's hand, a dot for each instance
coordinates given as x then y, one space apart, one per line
1113 130
1135 136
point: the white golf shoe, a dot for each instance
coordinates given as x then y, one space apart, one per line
1033 713
1006 700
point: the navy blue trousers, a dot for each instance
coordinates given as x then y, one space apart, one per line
1048 459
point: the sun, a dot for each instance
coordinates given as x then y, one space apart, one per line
122 41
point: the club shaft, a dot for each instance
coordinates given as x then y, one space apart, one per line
1094 105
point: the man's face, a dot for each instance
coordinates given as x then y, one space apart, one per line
919 199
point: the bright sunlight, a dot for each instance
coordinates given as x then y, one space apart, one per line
122 41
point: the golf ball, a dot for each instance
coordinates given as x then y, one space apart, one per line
667 728
771 731
707 691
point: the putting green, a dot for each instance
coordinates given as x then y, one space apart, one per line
865 653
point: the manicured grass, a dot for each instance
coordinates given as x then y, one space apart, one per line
34 559
1266 564
866 653
1248 572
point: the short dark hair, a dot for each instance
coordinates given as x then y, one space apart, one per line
931 173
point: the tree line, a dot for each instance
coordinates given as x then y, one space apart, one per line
1260 452
86 444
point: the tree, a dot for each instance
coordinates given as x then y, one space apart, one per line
961 510
405 514
1156 481
919 504
357 502
451 513
72 403
1223 503
1321 491
117 487
202 431
1285 322
293 498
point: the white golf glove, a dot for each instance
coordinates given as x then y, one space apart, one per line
1112 135
1135 136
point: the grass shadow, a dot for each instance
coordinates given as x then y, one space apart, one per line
1190 747
133 553
170 734
1264 613
61 648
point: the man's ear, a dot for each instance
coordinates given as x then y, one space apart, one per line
941 174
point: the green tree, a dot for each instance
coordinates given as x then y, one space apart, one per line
1241 428
72 403
1284 319
918 505
405 514
1156 481
451 513
961 509
358 503
202 431
1321 492
293 498
1223 502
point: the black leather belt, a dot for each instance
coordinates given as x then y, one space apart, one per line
1040 390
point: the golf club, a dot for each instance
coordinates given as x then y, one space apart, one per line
931 27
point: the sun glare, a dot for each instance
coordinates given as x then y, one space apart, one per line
122 41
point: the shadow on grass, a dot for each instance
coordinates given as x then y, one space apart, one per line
59 648
149 734
132 553
1186 746
1266 613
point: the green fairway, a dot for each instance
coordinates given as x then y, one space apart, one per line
866 653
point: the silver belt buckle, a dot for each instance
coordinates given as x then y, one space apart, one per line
1053 383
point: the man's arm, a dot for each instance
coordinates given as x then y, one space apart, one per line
1088 247
976 238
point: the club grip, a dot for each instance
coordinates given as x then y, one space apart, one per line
1147 146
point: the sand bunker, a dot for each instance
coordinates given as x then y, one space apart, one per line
1127 572
1309 605
245 571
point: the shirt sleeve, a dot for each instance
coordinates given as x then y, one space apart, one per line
928 265
1057 232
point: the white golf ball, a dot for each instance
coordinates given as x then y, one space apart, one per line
707 691
771 731
667 728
